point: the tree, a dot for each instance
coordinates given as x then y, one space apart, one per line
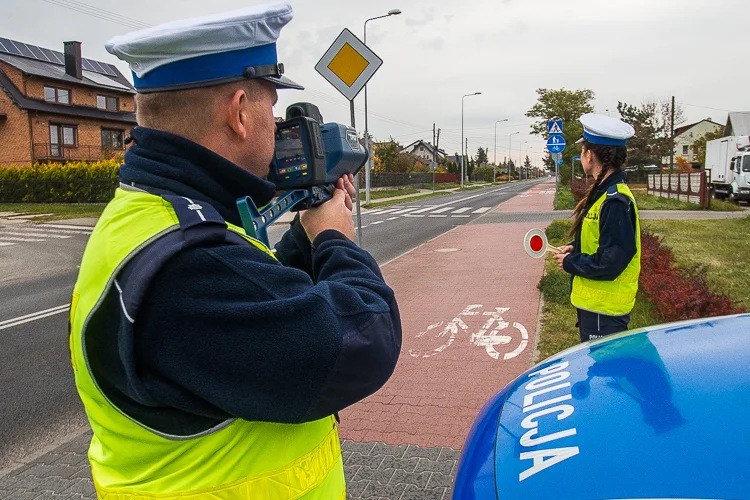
481 157
699 146
527 162
512 170
452 166
683 166
567 105
402 163
387 152
652 121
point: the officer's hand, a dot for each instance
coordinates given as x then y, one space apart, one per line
567 249
560 258
336 214
346 183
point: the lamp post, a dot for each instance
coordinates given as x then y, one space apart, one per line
368 169
520 160
510 152
464 153
494 163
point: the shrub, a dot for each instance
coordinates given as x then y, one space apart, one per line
678 294
73 182
579 189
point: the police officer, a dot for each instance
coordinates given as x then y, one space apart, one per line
605 258
210 366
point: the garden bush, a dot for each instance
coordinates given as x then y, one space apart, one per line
678 293
72 182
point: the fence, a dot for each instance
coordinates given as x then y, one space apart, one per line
413 180
692 188
57 152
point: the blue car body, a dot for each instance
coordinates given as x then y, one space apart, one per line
662 412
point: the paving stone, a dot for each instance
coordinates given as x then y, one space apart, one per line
414 493
447 454
407 464
416 451
362 448
82 486
438 480
381 475
386 449
21 495
372 461
7 482
355 489
350 471
379 490
417 479
434 466
71 459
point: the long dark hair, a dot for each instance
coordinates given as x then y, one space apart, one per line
611 158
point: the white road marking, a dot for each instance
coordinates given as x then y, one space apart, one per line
460 216
414 216
407 210
378 222
482 210
4 244
438 216
9 323
68 226
462 210
393 218
428 209
24 240
445 209
388 211
39 235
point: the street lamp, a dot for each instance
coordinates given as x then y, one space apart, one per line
368 169
520 160
510 153
463 153
494 163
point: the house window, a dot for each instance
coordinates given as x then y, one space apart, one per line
107 102
53 94
685 150
112 139
62 136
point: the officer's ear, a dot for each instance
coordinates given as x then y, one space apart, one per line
238 114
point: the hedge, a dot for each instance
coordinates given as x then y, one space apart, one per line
72 182
678 293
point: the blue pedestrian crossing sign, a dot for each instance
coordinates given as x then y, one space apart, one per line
556 144
555 127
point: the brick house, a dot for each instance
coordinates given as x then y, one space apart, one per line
58 106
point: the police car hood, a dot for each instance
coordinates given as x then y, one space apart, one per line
657 413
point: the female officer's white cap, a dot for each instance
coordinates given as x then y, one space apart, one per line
208 50
605 130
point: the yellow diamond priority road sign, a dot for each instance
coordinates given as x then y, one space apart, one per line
348 64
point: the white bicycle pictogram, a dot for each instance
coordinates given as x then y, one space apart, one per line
488 336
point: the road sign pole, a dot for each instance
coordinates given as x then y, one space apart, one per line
356 182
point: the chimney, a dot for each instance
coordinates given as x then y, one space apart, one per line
73 60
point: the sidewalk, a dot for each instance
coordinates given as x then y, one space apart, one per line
469 307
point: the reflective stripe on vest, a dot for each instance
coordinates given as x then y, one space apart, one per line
613 298
236 460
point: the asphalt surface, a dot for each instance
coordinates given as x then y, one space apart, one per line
38 267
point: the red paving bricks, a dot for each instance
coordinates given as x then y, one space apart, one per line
443 378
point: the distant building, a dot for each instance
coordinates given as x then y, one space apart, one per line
686 136
58 106
738 123
424 152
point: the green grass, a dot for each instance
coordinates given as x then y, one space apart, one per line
646 201
389 193
559 316
403 200
60 211
724 259
723 246
443 186
565 199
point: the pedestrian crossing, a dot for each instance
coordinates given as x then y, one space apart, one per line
430 211
20 234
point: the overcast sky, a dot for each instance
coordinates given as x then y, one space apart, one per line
439 50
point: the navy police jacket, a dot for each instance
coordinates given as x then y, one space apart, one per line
228 332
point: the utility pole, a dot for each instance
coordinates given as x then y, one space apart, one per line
434 155
671 142
466 173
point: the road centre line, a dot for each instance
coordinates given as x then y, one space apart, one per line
8 323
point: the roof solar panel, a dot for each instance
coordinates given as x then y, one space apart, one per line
25 50
37 52
58 56
8 47
87 65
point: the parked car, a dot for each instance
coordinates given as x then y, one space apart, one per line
660 412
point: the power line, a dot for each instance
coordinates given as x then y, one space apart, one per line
99 13
704 107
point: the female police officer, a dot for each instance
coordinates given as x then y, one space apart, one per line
605 258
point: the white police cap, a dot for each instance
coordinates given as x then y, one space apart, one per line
208 50
605 130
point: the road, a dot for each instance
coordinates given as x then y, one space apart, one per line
39 265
